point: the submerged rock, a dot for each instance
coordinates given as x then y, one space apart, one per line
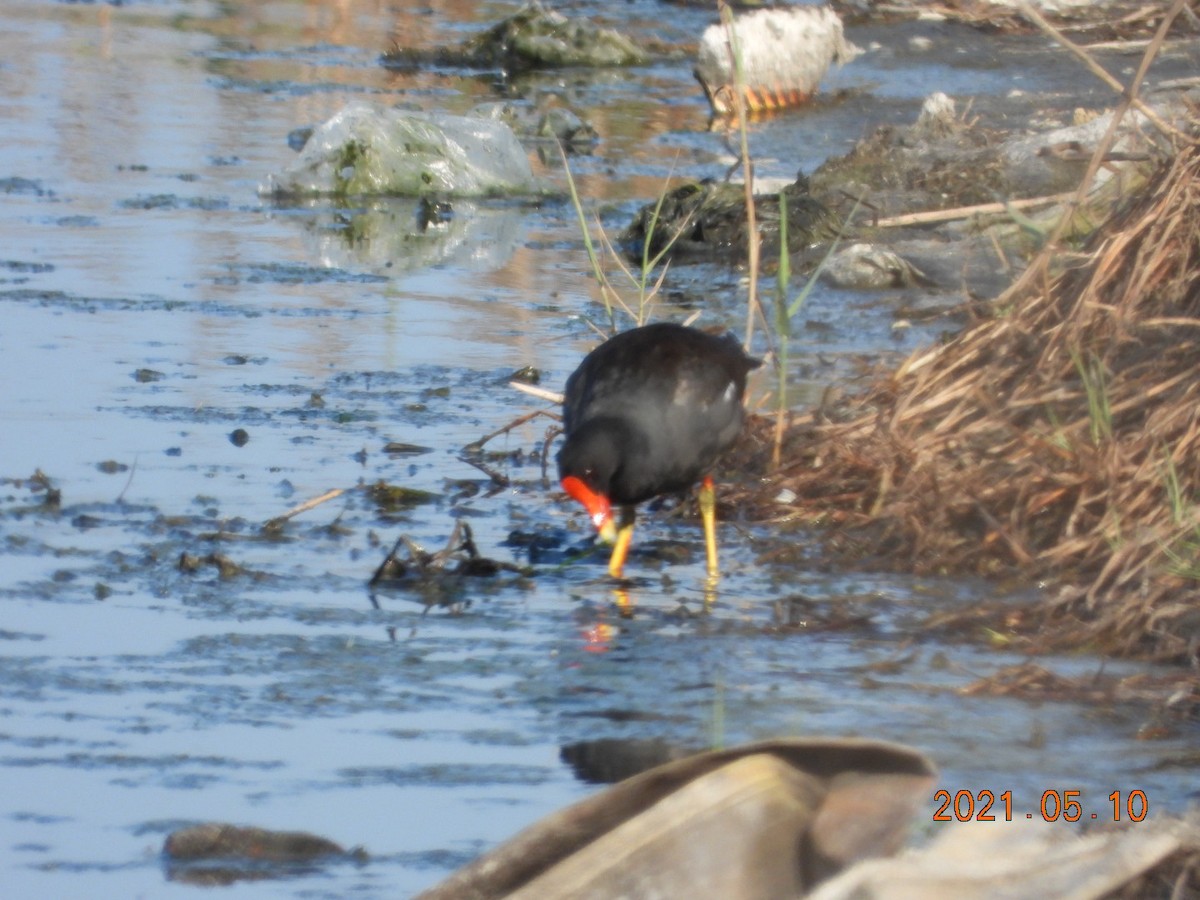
216 840
870 267
216 854
942 160
368 150
536 37
535 122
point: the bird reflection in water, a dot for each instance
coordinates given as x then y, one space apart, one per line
600 635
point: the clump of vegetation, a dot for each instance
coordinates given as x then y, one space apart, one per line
709 221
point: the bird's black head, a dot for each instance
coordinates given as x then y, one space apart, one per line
590 454
587 465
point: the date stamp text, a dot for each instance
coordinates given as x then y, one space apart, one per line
1055 805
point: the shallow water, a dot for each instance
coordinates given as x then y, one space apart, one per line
152 304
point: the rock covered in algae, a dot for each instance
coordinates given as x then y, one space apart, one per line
532 38
370 150
536 37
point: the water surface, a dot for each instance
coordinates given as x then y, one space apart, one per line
153 304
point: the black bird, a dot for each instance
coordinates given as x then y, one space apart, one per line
647 413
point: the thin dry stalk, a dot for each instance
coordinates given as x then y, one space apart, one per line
753 305
477 445
934 216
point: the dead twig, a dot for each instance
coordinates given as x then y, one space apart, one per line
534 391
277 522
476 446
966 212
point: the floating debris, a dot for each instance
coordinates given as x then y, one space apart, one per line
441 571
784 55
369 150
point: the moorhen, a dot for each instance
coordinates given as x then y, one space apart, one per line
647 413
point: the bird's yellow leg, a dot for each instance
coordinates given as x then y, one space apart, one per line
708 514
616 562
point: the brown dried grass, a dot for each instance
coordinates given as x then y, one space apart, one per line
993 453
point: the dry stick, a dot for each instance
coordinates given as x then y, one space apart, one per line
1170 322
535 391
305 507
965 212
1015 547
739 105
128 481
518 421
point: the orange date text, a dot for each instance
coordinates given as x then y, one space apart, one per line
1055 805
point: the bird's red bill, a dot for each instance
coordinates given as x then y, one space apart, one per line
597 505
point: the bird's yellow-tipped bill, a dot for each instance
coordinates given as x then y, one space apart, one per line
598 507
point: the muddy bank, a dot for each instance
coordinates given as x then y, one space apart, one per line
1055 440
